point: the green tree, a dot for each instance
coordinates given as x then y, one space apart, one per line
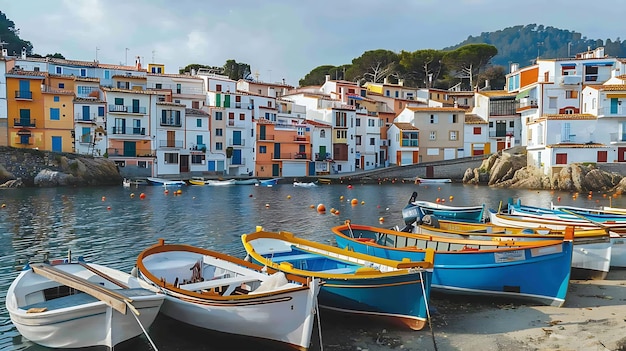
196 66
421 68
56 55
468 60
496 75
373 66
317 76
235 70
10 35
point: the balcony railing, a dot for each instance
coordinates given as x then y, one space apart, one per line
265 137
24 122
127 109
614 111
300 138
618 137
85 139
232 142
171 121
81 117
24 94
528 102
409 142
198 147
323 157
237 162
121 152
129 131
499 134
177 144
291 156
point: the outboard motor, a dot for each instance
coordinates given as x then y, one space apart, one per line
431 221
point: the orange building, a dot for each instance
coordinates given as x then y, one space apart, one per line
282 150
25 109
58 112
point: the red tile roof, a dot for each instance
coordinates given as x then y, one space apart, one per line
405 126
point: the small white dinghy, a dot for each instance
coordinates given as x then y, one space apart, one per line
78 305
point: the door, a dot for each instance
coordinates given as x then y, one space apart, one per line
135 105
171 138
311 168
236 158
57 144
236 137
500 128
322 154
86 113
130 149
430 172
275 170
614 105
24 118
184 163
602 156
276 150
227 100
262 132
621 154
25 89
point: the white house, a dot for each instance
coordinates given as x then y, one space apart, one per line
403 144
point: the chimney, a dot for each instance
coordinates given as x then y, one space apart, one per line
5 52
138 63
386 80
486 83
327 77
23 52
193 71
401 82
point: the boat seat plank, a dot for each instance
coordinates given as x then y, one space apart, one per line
63 302
339 270
288 258
209 284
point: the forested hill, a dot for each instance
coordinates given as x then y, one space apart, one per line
522 44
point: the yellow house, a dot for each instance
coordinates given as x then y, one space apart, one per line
25 109
58 96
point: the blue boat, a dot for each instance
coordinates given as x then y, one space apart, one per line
398 291
416 210
267 182
165 182
537 271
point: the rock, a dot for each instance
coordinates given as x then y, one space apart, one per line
15 183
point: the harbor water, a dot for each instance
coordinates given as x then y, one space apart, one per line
111 225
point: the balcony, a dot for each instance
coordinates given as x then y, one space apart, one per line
615 111
300 139
323 157
120 152
410 142
198 147
172 121
127 109
81 117
85 139
129 131
571 80
617 138
232 142
500 134
236 161
527 103
24 94
268 137
176 144
24 122
290 156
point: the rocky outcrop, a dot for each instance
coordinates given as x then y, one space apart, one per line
49 169
510 170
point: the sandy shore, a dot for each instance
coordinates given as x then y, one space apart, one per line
593 318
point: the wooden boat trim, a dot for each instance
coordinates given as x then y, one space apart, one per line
209 255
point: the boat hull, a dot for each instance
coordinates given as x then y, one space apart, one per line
288 309
416 210
77 321
486 272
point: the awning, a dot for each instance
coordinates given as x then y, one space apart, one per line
568 65
616 96
598 63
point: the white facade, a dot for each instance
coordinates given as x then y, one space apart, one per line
321 145
198 138
367 140
4 121
172 152
476 136
90 126
186 90
403 143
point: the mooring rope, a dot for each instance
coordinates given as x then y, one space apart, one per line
430 324
319 324
142 328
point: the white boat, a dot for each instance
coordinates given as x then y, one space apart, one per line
432 180
304 184
215 182
78 305
165 182
219 292
249 181
126 183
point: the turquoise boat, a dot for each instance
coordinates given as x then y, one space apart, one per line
416 210
395 290
537 271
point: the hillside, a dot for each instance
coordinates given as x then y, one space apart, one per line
523 43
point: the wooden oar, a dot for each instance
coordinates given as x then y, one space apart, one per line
104 275
110 297
606 228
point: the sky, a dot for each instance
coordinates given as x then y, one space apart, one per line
284 39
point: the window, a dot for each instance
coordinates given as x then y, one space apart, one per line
218 87
358 122
56 99
199 122
551 102
218 115
262 149
237 98
59 70
453 135
179 88
61 85
372 141
322 134
571 94
242 116
358 140
100 111
55 114
83 72
397 94
219 146
219 132
454 118
195 104
36 69
341 119
170 157
511 124
158 85
197 159
432 136
591 73
119 101
371 122
561 159
477 130
387 93
107 74
490 124
433 119
342 134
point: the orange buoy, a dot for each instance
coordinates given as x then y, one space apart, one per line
354 202
438 200
312 206
142 196
108 208
267 205
350 186
179 191
362 202
321 208
166 192
288 196
558 198
341 197
381 219
4 205
336 213
104 198
451 197
132 195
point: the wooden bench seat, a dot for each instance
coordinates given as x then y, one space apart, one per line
215 283
288 258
